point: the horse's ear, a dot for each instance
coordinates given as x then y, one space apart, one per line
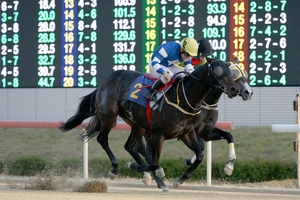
236 60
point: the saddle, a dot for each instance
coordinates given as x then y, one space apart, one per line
141 85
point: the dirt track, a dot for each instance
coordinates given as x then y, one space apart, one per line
134 189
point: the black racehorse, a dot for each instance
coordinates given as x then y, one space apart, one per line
206 129
173 121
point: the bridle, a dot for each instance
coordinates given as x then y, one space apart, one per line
219 86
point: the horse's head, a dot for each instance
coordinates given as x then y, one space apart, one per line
240 77
220 77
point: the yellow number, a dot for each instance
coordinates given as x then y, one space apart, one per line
69 25
138 85
69 14
151 23
69 70
150 45
239 19
148 57
69 37
152 2
151 11
240 55
68 82
239 31
238 43
238 7
151 34
69 3
69 59
69 47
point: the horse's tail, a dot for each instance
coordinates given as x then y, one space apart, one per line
93 129
86 109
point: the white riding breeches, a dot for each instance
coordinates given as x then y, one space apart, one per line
171 71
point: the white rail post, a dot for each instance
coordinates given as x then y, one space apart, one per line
85 158
208 163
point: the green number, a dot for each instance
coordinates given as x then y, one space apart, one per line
191 9
3 38
80 82
282 30
16 14
94 82
253 29
267 80
268 6
16 82
80 59
80 34
4 82
163 11
81 14
283 80
252 80
223 7
16 38
253 6
177 10
177 33
268 31
4 17
16 58
93 59
283 4
94 13
93 36
268 55
253 55
191 32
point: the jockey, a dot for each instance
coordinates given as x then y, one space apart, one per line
162 64
204 50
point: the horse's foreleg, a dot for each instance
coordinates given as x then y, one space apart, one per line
191 141
232 157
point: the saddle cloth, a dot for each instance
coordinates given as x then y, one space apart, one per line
140 86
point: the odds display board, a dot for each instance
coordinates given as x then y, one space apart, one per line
77 43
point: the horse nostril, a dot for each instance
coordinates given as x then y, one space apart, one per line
234 90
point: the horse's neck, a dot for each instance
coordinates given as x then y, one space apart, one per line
213 96
196 90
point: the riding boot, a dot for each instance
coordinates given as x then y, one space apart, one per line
150 93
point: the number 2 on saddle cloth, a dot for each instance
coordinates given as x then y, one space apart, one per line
140 86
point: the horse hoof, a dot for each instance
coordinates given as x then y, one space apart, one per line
129 164
176 183
185 161
112 175
160 172
147 179
165 189
228 169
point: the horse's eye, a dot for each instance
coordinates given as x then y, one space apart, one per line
218 71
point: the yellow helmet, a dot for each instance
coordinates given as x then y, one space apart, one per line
189 45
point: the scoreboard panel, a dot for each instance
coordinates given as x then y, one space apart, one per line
76 43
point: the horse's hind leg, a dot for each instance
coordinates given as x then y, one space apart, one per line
106 126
